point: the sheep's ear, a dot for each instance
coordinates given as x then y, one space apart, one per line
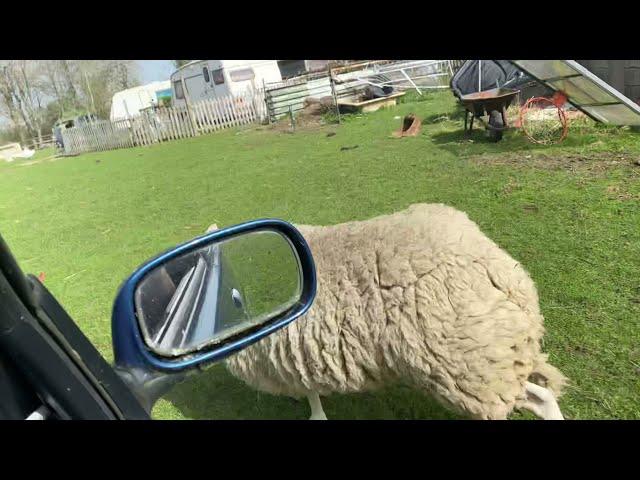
212 228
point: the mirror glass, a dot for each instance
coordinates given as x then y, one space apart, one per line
217 291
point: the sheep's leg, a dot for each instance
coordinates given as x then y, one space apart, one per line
317 413
542 402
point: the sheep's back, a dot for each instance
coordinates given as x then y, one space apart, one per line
420 295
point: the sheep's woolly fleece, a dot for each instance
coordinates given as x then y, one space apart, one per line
421 297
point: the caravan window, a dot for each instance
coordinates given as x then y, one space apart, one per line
218 77
242 74
205 72
177 86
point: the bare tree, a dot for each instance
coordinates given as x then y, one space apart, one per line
22 86
7 97
99 80
35 93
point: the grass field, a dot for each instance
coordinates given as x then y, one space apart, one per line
570 214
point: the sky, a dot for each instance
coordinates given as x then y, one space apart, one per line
155 70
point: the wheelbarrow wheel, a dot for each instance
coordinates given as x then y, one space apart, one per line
496 125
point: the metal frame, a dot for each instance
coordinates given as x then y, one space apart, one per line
130 350
403 68
585 73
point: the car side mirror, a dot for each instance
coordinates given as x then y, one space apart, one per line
206 299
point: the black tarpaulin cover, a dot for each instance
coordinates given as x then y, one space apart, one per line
495 73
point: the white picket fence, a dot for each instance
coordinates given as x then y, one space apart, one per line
167 123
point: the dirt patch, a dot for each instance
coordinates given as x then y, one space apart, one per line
617 192
596 163
310 117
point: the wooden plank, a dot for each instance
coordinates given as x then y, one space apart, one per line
114 137
188 122
83 136
178 118
160 124
196 110
96 136
79 139
206 120
251 107
141 132
241 104
136 133
118 136
106 136
244 105
242 110
233 104
147 129
217 113
99 135
74 141
149 124
174 123
93 138
170 127
212 114
181 123
206 116
229 108
133 134
77 147
193 125
164 120
197 117
224 119
124 134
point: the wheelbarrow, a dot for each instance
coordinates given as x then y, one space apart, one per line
493 103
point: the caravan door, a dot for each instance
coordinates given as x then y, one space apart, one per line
196 87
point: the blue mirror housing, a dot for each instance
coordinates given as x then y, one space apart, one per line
230 290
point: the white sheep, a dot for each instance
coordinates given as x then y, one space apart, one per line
420 297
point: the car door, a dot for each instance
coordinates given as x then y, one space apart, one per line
48 362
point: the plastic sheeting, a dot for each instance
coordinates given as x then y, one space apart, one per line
584 90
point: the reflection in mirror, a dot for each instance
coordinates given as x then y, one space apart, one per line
217 291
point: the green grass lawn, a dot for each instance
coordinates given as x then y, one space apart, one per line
570 214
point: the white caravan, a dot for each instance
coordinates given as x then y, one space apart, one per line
204 79
128 103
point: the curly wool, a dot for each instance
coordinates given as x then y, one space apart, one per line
420 297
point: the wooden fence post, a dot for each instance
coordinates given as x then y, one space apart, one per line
187 99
